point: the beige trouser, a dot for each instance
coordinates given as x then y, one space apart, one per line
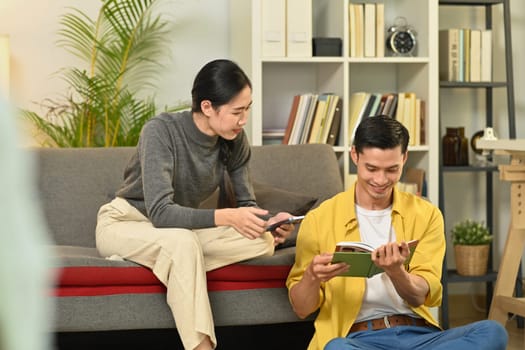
179 258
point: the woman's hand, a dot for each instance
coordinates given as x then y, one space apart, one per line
245 220
282 232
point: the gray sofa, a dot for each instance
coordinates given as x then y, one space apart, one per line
97 296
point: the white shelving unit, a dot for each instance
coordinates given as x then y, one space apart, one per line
277 80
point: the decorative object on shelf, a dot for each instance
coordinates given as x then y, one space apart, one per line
401 38
482 155
327 47
471 240
455 147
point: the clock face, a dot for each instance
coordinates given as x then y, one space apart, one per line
402 42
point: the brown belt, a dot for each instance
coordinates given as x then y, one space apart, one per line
388 322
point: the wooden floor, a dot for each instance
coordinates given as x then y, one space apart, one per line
467 309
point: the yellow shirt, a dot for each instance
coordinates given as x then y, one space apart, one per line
335 220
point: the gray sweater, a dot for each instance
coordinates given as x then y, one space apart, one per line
176 167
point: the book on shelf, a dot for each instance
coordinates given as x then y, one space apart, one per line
475 55
486 55
466 54
298 28
358 255
368 110
449 54
409 117
305 103
374 110
417 122
461 55
273 28
291 119
400 110
352 28
356 30
369 32
333 135
313 118
422 123
328 120
366 29
305 134
358 101
380 29
317 122
390 106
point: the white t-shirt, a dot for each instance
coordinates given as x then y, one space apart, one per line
381 298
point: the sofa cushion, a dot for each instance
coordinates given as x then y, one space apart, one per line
83 272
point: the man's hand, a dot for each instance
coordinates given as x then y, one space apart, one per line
321 269
305 294
282 232
391 256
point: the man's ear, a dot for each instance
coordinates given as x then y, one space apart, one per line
206 107
354 155
405 158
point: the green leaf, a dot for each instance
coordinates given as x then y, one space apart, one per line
120 49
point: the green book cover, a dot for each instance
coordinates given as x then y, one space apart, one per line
360 262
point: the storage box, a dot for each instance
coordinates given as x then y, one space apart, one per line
327 46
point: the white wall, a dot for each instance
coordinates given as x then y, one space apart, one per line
202 33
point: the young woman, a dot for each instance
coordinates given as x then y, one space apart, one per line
180 160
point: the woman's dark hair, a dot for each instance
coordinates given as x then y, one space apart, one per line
381 132
218 81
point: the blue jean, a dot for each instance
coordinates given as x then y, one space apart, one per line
481 335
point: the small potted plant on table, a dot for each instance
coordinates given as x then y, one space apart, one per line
471 240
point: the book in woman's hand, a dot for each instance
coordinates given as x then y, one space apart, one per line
358 256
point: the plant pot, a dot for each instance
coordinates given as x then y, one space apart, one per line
472 260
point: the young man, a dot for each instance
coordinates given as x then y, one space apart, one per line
389 310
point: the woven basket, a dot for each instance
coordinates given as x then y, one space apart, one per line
472 260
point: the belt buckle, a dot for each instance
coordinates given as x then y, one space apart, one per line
386 321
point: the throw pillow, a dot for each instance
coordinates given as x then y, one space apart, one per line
277 200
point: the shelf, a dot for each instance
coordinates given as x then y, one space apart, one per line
489 119
277 76
470 2
454 277
469 168
470 85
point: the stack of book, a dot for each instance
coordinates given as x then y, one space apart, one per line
403 106
314 118
465 55
367 29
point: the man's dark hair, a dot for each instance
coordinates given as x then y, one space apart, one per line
381 132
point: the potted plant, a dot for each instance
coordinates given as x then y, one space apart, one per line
109 97
471 240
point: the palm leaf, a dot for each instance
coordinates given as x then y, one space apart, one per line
121 49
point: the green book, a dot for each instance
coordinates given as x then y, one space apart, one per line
357 256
